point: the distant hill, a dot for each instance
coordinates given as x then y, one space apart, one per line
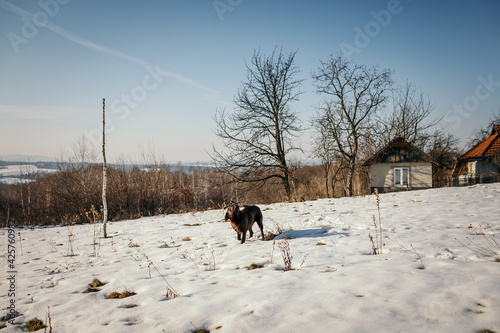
26 158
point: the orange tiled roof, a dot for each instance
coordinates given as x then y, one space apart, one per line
486 148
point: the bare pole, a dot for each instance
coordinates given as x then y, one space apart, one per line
104 176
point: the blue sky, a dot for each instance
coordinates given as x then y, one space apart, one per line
164 67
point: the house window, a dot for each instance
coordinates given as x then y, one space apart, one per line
401 176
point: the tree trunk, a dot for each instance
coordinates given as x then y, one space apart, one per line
104 175
352 162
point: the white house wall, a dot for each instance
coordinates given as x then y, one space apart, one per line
382 174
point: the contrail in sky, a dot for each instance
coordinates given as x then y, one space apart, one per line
100 48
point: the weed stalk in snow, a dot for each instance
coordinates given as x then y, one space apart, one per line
285 252
418 255
377 248
49 321
486 244
170 291
210 255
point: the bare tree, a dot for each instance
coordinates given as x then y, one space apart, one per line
483 132
84 154
262 131
352 95
322 150
443 147
104 174
409 117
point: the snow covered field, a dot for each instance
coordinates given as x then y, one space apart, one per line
340 286
16 174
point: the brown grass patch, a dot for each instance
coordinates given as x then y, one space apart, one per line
255 266
35 325
124 294
129 306
96 283
91 290
270 236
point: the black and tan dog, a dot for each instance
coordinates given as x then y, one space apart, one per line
242 219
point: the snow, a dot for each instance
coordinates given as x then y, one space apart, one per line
339 286
20 173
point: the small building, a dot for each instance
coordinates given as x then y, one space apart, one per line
481 163
400 165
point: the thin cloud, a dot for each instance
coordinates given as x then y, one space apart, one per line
103 49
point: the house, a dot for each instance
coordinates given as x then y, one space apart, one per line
400 165
481 164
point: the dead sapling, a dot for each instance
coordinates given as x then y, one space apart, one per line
377 246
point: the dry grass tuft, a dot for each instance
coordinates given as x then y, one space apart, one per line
129 306
96 283
486 244
94 286
124 294
255 266
113 295
35 325
278 230
132 244
270 236
91 290
285 252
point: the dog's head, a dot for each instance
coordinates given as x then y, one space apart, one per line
232 210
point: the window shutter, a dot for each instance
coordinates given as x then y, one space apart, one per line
405 176
397 176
